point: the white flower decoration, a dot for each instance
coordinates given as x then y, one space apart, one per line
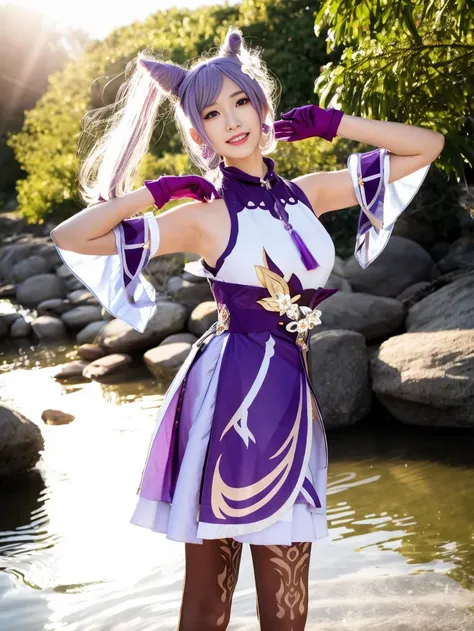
246 67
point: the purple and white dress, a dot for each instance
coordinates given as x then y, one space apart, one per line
239 448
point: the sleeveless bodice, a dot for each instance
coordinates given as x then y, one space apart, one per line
257 226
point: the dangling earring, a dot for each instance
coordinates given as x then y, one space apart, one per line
206 151
265 128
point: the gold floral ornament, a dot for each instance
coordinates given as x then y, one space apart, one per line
223 319
280 300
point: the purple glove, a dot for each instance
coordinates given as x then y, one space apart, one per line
306 122
169 187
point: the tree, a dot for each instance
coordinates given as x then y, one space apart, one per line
410 61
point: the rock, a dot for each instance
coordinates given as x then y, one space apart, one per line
460 255
31 266
88 334
192 278
82 296
54 306
439 250
202 317
20 328
373 316
79 317
9 318
56 417
338 282
112 368
64 272
15 252
21 442
179 337
402 263
38 288
119 337
90 352
340 376
427 378
451 307
187 293
48 327
165 360
3 328
7 291
338 267
411 292
71 370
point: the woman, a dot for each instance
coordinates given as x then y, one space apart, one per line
239 453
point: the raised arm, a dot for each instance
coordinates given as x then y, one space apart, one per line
411 148
91 231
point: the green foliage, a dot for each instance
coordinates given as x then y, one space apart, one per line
407 61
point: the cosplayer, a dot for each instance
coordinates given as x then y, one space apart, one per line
239 452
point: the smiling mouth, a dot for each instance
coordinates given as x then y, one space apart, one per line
238 142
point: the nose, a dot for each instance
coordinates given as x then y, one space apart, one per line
232 123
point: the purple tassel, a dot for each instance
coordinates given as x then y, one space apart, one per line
308 259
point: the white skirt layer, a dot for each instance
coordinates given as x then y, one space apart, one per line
178 520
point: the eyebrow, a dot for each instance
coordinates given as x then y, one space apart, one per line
231 96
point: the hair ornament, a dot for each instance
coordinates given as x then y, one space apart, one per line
168 76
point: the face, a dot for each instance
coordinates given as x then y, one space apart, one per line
232 114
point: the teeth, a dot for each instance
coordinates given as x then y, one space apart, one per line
237 139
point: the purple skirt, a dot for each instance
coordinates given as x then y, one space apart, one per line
172 488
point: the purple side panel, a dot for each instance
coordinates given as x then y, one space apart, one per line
134 233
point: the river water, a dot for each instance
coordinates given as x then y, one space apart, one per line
399 556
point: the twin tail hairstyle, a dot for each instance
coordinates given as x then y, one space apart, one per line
111 165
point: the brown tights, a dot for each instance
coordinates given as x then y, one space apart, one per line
212 570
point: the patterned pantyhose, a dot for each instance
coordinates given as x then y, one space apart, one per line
212 570
281 578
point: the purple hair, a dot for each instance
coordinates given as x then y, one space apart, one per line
111 167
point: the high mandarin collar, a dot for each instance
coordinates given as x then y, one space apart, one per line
233 173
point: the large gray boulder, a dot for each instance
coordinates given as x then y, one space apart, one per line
38 288
113 368
427 378
202 317
165 360
451 307
188 293
21 443
31 266
119 337
89 333
48 327
20 328
373 316
340 376
402 263
460 255
81 316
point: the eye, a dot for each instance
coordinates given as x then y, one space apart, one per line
208 115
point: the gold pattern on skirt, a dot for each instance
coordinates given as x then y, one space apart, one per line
280 300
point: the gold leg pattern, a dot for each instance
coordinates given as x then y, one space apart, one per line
281 575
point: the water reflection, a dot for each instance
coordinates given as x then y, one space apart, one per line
399 505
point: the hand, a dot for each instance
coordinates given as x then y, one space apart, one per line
308 121
169 187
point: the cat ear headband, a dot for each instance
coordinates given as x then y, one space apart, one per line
171 77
